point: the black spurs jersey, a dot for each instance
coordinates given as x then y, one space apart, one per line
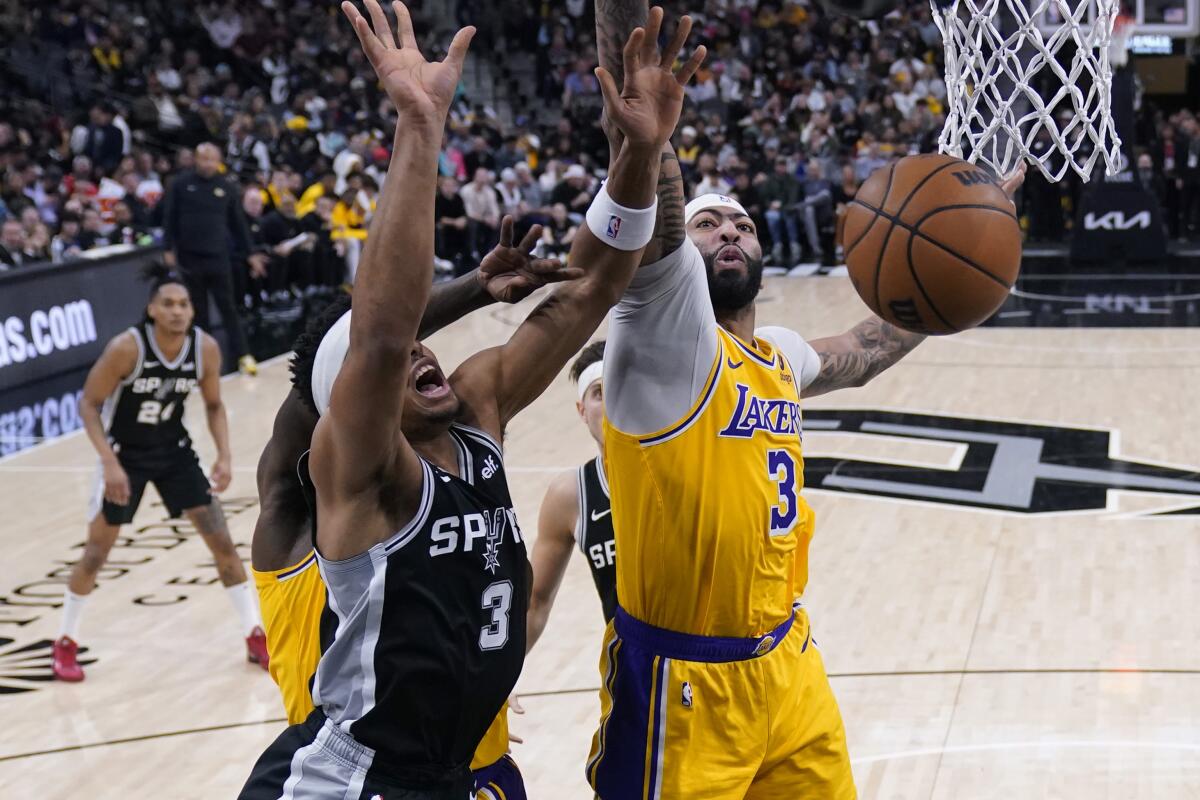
594 533
429 625
145 413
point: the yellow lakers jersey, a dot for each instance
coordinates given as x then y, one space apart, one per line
711 531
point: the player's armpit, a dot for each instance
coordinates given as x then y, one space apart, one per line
859 354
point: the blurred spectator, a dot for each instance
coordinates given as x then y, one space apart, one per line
710 180
1189 181
483 213
12 244
349 229
574 191
451 215
816 208
558 233
67 243
531 190
202 213
780 192
511 198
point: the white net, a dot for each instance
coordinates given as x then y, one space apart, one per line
1029 82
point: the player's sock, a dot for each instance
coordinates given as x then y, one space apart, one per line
242 597
72 611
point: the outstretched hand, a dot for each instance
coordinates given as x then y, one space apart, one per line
646 109
415 86
510 273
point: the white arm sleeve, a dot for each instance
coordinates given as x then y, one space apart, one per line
799 353
662 339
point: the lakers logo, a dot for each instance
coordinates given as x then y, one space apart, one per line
754 414
764 646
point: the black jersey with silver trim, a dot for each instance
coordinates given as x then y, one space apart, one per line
430 624
146 410
594 533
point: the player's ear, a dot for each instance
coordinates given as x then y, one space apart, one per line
579 410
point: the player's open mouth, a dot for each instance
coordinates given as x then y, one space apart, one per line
731 255
429 382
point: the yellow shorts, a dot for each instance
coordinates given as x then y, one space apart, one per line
292 600
765 727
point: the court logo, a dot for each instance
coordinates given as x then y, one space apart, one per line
25 667
1014 467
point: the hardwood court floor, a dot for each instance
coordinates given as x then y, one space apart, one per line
975 653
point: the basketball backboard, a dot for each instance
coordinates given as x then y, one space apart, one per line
1174 18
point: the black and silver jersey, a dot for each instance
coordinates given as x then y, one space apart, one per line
594 533
145 413
429 625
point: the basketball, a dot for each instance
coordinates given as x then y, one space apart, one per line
932 244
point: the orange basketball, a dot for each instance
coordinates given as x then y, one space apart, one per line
932 244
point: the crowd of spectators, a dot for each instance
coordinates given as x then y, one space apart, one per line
107 100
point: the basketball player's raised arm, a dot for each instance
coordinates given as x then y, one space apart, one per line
615 21
552 550
667 301
116 363
361 435
646 110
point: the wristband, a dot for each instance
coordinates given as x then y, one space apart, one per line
618 226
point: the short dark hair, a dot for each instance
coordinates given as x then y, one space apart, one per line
304 351
587 356
158 275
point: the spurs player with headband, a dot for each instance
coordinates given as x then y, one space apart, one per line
423 562
576 512
132 410
291 593
710 684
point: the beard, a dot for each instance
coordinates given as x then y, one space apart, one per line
732 289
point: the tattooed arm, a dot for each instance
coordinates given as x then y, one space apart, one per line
871 346
859 354
615 20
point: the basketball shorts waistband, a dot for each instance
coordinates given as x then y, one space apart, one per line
691 647
340 745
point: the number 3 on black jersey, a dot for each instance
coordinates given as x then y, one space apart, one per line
497 597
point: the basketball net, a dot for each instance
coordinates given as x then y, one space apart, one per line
1010 97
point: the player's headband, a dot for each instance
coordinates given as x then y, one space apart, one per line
328 362
589 376
708 202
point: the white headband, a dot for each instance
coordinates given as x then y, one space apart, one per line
328 362
589 376
707 202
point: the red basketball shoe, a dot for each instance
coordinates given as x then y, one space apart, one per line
256 648
66 668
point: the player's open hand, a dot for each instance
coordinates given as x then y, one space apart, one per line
510 273
220 476
116 484
646 109
418 88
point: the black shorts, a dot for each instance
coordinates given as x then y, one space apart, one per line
317 760
175 473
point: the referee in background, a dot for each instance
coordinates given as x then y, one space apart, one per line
202 214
